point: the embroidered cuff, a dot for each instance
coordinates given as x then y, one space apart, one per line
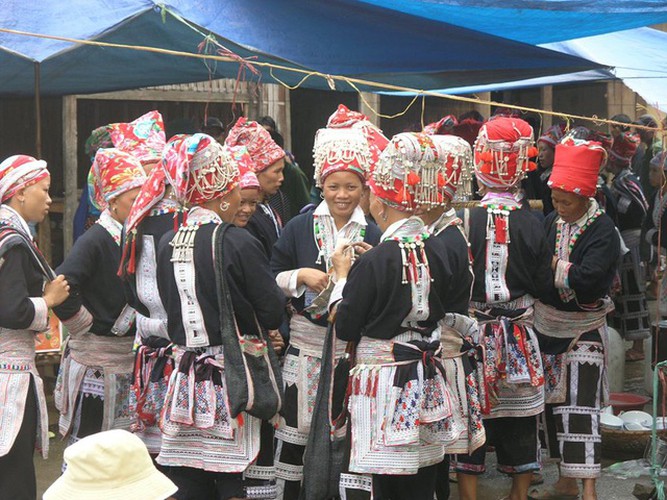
562 270
650 235
287 281
79 323
40 322
337 292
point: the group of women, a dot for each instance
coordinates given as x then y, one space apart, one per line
226 341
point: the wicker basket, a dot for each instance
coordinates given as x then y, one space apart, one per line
625 445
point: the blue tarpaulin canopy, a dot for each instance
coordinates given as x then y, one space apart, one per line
536 21
337 37
637 57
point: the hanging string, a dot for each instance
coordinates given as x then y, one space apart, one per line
331 78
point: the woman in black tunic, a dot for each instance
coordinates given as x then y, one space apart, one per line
571 318
28 288
302 262
205 447
93 388
396 293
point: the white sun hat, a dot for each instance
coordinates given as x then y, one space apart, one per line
110 465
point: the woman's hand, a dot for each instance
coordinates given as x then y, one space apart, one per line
314 279
342 261
361 247
554 263
277 341
56 291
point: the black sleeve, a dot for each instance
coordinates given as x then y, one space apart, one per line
17 311
78 268
253 272
601 255
359 294
284 251
543 277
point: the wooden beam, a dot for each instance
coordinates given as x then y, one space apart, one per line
167 95
70 170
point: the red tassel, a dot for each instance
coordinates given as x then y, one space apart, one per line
175 221
501 230
240 420
131 265
120 272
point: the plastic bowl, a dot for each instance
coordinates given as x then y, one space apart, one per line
610 421
625 401
635 416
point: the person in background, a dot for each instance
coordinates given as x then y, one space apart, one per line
93 387
545 161
570 319
28 288
113 465
269 161
251 191
294 193
631 316
214 127
86 214
655 224
652 145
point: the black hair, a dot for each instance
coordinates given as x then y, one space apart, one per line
267 121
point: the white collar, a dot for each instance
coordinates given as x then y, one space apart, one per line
24 225
398 224
357 215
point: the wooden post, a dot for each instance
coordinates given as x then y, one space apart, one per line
484 109
374 101
70 170
287 128
547 103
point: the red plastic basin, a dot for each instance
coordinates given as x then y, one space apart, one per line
626 401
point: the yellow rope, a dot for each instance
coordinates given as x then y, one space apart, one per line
352 82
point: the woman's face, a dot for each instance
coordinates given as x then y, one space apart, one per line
545 155
121 205
656 176
233 199
342 192
571 207
34 201
247 206
271 178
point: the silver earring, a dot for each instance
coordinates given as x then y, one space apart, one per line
224 206
383 216
321 195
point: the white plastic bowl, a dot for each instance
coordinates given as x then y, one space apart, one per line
635 416
660 423
611 421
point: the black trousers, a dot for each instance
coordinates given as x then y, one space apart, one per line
197 484
420 486
17 469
